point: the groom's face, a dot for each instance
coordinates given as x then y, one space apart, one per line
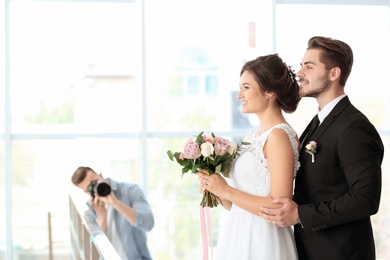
313 75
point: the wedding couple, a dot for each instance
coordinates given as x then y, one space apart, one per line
337 176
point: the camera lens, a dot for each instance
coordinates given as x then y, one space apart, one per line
103 189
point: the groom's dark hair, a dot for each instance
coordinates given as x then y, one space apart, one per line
334 53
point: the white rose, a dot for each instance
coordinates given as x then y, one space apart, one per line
207 149
311 146
233 148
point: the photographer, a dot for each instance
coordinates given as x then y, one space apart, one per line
121 211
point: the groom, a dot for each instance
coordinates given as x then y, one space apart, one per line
338 185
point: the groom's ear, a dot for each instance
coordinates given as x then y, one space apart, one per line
334 73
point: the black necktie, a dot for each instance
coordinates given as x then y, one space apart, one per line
313 126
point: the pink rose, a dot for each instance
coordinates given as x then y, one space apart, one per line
191 150
208 139
221 146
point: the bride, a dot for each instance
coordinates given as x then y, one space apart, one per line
265 168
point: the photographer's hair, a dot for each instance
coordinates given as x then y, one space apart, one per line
334 53
79 175
273 75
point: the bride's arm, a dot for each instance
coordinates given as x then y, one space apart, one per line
225 203
279 153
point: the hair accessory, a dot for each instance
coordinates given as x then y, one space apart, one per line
291 72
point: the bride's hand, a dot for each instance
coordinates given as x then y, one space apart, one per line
201 172
214 183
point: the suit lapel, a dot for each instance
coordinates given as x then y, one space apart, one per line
329 119
303 136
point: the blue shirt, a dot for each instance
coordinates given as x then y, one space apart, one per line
132 236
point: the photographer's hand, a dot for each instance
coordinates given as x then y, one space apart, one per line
109 199
126 211
98 205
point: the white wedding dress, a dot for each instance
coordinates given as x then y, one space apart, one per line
246 236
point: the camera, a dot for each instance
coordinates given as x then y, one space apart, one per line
102 188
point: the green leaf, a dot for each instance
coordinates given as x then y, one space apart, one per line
179 161
221 158
184 170
210 171
225 174
199 138
218 168
170 155
196 166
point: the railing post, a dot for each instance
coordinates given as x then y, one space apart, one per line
89 242
50 236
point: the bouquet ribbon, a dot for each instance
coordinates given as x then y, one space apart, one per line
205 228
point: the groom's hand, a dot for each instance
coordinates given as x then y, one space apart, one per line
285 216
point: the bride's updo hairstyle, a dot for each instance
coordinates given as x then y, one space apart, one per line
273 75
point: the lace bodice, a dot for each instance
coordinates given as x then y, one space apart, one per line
250 172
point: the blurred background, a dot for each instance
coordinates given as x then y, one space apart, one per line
114 84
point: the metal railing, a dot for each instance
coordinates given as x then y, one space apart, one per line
88 241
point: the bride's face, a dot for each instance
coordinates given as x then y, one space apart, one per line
250 95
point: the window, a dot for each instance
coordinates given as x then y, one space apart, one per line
115 84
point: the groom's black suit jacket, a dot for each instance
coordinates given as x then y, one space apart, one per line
337 194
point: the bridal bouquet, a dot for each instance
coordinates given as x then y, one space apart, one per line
213 153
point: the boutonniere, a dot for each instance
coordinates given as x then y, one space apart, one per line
311 148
